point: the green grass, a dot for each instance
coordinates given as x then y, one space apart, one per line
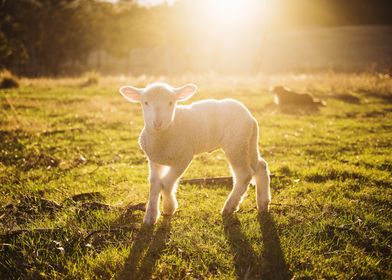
331 212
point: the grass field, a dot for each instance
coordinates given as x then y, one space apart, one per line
332 197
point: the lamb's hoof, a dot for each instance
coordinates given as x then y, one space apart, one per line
168 213
227 211
264 207
150 219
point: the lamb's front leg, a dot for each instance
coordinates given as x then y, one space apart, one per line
152 211
169 185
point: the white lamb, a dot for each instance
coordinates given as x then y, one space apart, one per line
173 134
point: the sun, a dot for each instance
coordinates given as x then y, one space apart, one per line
227 12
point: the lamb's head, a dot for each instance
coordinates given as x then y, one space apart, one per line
158 102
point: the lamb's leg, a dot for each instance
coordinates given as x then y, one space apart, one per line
261 172
169 185
242 172
152 211
242 177
262 177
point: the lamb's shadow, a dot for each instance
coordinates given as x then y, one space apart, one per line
146 251
245 259
250 265
273 255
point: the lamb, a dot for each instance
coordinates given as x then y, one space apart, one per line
173 134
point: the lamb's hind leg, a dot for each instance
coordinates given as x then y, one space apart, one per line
262 177
242 174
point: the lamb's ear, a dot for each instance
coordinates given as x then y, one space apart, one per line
185 92
131 94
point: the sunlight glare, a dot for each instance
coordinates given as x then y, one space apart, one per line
236 13
227 12
230 15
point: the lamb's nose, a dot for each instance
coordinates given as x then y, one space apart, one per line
157 124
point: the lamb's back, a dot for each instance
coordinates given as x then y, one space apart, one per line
207 122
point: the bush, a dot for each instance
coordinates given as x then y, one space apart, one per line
8 80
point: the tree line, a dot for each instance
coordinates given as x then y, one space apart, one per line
57 37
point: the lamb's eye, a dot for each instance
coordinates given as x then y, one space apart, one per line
145 103
170 103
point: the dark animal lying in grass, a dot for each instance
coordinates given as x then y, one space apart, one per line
287 98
